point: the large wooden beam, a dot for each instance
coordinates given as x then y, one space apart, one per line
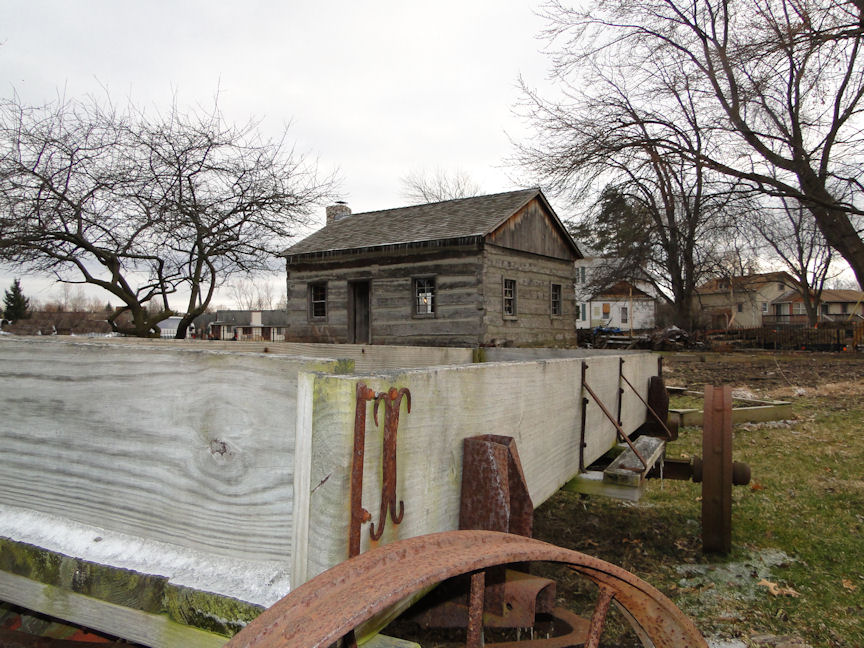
156 630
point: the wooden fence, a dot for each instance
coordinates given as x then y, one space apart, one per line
828 337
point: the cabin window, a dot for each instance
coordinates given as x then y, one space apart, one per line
555 299
799 309
764 307
424 296
607 308
740 307
584 313
624 314
509 298
844 308
318 300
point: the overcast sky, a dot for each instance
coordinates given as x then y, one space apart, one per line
374 90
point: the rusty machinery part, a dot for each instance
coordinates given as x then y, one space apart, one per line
686 469
715 470
657 404
494 495
332 604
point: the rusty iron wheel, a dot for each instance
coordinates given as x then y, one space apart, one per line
331 605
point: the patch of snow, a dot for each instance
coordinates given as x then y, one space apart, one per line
725 643
258 582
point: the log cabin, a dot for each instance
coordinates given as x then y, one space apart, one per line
494 270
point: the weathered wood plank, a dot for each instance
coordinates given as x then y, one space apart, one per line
627 469
155 630
158 444
591 482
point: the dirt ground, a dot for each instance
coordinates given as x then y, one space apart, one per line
765 373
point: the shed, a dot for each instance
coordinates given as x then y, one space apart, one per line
486 270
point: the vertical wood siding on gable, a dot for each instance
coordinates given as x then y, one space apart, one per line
533 230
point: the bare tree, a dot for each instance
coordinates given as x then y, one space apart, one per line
251 295
438 185
228 199
661 208
65 172
778 84
145 206
796 241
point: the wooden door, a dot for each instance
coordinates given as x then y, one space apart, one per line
359 312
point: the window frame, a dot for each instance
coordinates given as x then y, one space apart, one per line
311 301
624 314
553 301
415 301
513 299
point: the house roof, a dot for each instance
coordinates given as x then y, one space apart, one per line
461 220
745 282
622 289
829 295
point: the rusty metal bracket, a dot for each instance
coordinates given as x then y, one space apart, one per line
621 434
657 418
620 388
359 515
326 608
392 402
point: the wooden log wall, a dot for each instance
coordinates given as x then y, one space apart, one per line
534 325
538 403
459 301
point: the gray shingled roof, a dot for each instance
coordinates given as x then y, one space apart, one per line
448 220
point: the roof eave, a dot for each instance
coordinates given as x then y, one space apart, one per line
461 241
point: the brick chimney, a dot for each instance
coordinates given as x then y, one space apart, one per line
337 212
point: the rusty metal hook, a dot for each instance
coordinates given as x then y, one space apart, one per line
392 403
359 515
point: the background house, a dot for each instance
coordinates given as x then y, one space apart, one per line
834 306
740 302
261 325
620 304
494 269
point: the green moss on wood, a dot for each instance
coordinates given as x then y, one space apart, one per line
149 593
212 612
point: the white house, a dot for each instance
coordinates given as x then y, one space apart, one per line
624 305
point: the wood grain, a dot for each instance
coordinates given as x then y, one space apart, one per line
192 448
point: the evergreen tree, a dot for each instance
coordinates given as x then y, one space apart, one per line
15 305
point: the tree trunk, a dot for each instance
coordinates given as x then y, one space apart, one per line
834 223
